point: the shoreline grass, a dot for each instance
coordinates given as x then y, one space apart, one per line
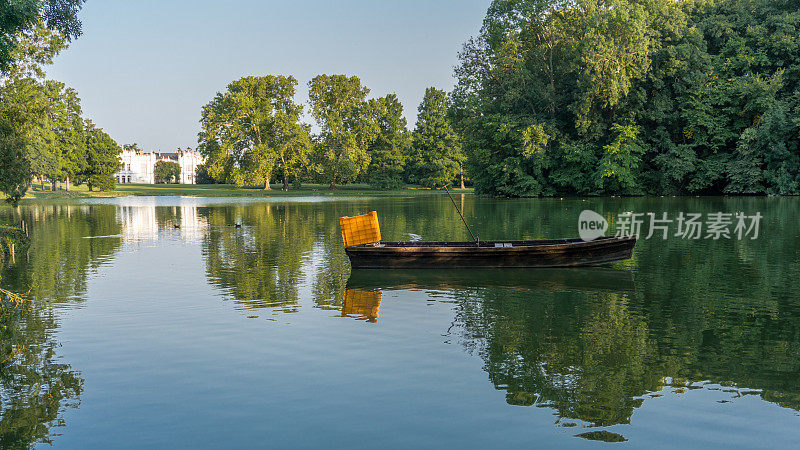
223 190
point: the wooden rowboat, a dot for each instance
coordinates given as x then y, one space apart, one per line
537 253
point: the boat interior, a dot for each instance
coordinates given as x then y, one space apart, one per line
483 244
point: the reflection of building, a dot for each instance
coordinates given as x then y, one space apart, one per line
139 167
144 219
361 304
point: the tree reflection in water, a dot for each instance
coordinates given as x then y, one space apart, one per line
584 355
259 265
35 385
588 344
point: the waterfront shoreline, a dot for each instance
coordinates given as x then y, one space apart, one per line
223 190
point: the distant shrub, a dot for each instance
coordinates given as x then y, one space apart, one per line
201 175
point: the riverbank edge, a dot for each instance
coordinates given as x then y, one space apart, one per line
217 190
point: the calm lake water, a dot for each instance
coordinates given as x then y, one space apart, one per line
207 335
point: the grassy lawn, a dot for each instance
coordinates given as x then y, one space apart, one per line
225 190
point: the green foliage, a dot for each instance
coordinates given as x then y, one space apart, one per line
252 129
517 169
67 126
42 134
436 156
388 151
41 129
167 172
21 107
338 104
620 160
57 149
634 96
201 175
102 160
12 241
35 30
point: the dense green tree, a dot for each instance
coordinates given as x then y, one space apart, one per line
67 125
632 96
56 149
338 104
42 150
102 159
167 172
252 128
201 175
35 30
22 106
436 156
32 32
291 139
388 152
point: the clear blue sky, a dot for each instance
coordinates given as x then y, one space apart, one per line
145 68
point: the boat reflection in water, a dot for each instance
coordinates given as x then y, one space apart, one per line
581 279
361 304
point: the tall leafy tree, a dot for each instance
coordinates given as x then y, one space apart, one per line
251 128
632 96
22 106
388 152
32 32
57 147
35 30
67 125
167 172
43 152
337 104
291 140
436 154
103 159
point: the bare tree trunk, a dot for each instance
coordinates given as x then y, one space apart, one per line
55 185
41 179
266 184
285 179
461 167
66 184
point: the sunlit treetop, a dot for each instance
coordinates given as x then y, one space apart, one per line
35 31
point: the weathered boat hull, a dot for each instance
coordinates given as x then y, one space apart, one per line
539 253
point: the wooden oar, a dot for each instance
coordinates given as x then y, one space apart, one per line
477 241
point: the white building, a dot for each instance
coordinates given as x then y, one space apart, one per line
139 167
